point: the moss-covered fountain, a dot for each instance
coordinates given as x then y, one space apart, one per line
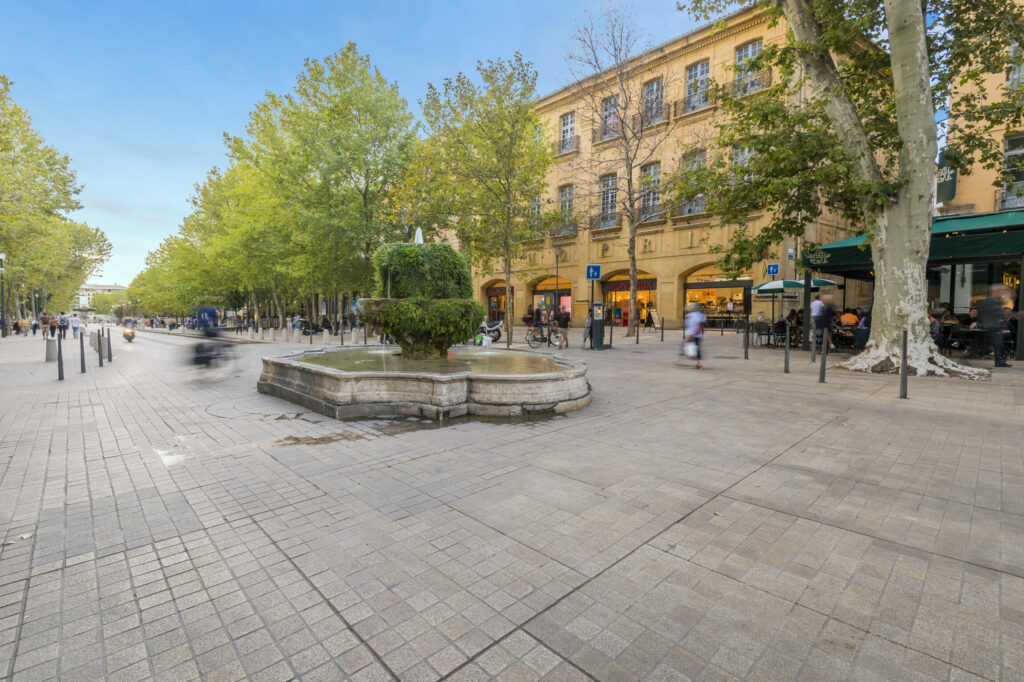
426 306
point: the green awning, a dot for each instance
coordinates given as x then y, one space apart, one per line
953 237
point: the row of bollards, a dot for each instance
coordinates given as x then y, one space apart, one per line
99 339
904 364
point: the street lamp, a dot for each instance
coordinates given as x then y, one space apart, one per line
558 307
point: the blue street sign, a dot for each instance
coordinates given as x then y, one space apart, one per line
773 268
593 272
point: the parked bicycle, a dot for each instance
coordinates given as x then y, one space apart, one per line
544 334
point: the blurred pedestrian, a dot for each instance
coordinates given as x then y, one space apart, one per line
693 334
76 322
993 318
824 319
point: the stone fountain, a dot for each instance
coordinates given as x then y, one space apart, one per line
426 306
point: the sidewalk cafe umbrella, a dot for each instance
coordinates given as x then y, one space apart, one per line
780 285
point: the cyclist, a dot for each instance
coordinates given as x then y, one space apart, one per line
207 352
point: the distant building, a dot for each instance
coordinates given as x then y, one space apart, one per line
87 291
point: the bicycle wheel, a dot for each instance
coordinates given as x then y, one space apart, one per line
556 337
533 338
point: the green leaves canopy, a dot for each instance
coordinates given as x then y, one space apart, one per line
299 209
46 250
801 164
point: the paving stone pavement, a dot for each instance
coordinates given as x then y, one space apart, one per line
159 522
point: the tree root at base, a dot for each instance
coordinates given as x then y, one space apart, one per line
923 360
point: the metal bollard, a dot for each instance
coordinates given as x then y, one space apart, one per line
81 347
110 352
814 346
663 330
364 333
786 370
636 333
311 337
904 368
611 333
824 356
746 339
99 344
60 358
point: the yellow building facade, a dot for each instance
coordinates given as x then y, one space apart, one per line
980 191
674 259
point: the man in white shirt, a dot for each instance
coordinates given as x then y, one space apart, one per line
816 307
75 322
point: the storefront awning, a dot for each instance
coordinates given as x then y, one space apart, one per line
953 238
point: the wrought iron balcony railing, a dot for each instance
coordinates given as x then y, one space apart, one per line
605 220
749 83
1010 197
567 144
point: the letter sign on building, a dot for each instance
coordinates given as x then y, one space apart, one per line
945 180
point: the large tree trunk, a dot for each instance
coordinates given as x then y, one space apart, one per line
903 233
902 229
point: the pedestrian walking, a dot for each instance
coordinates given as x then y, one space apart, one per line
44 322
994 318
76 322
62 325
563 327
823 319
35 327
693 334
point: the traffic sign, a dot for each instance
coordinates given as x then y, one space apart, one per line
593 272
773 268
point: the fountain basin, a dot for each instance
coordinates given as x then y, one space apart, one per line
346 382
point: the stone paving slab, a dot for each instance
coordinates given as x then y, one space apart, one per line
159 522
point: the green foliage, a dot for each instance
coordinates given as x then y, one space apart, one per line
105 304
425 328
299 209
808 158
483 163
422 271
46 251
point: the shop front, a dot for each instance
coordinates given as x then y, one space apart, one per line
496 301
552 293
615 290
967 255
723 300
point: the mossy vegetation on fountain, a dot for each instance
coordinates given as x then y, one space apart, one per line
428 304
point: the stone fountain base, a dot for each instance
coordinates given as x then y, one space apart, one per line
354 394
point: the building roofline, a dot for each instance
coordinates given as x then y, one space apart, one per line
650 51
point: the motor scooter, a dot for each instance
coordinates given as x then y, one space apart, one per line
492 329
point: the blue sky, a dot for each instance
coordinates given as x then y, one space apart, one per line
138 93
